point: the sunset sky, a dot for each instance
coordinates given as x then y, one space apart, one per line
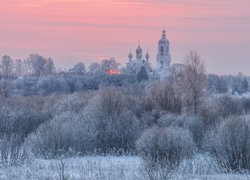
73 31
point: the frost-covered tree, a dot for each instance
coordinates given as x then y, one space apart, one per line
165 146
230 144
245 102
243 86
19 67
38 64
117 127
5 87
216 84
28 70
6 66
142 74
227 105
109 64
166 96
94 68
51 84
194 81
79 68
67 133
49 66
192 123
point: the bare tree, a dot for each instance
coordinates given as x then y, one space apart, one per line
109 64
5 87
166 96
7 66
27 67
79 68
38 64
194 80
94 68
49 66
18 67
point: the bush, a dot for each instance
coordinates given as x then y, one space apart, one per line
165 146
209 113
11 151
245 104
47 85
228 105
117 127
166 96
66 134
192 123
230 144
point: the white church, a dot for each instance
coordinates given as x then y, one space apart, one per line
163 59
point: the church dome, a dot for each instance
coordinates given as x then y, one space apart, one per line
163 40
138 50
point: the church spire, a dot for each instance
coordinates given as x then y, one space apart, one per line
163 56
164 33
130 56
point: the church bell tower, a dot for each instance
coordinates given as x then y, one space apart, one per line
163 56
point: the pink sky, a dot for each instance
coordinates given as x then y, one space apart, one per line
71 31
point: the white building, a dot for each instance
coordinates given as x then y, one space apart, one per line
134 65
163 60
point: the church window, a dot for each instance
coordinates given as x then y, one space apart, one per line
162 50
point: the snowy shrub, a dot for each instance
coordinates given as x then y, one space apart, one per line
199 164
228 105
245 104
52 84
209 113
117 126
5 87
230 144
74 102
195 126
21 116
165 146
25 86
117 133
88 83
192 123
12 152
67 133
166 96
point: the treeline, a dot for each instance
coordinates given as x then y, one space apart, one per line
37 65
165 122
37 75
228 84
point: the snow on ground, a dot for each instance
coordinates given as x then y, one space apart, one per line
94 168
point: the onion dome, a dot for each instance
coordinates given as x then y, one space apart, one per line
138 50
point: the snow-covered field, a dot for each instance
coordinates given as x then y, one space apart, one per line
102 168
